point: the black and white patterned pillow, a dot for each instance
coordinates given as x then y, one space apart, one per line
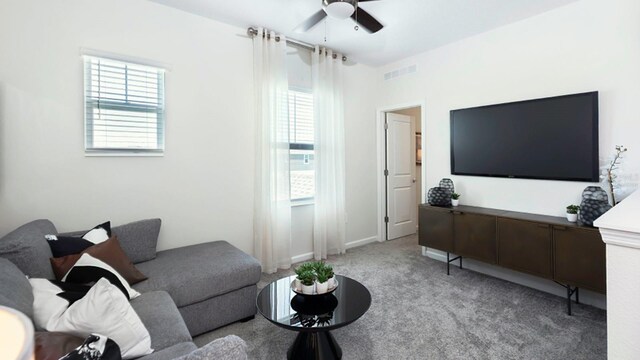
69 245
88 270
95 347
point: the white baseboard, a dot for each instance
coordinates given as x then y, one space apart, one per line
548 286
302 257
365 241
349 245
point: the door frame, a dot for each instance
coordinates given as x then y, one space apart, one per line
380 145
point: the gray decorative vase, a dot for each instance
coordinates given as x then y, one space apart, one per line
447 184
595 202
439 196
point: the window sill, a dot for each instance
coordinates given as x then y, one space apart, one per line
302 202
122 154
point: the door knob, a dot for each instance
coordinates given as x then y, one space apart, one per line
414 180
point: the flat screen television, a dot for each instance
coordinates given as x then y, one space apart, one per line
552 138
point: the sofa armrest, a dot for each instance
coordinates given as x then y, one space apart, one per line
227 348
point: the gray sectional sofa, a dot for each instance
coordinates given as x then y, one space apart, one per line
190 290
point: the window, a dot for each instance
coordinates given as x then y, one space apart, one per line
124 107
301 136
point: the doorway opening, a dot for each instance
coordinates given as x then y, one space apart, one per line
401 160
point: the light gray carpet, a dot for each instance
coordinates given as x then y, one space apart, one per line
418 312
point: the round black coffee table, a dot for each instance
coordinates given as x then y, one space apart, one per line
314 316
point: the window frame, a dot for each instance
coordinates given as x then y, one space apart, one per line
301 146
159 110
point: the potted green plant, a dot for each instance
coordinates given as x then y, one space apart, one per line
307 281
322 279
306 267
572 213
455 199
331 275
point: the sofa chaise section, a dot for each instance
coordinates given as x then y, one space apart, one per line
213 284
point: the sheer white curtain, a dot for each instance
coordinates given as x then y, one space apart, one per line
272 204
329 218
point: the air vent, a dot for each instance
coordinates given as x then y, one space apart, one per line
401 72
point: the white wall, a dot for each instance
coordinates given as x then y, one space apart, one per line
203 186
584 46
360 146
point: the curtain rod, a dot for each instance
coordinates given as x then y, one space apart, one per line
254 32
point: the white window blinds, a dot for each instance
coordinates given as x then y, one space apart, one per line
301 137
124 107
300 117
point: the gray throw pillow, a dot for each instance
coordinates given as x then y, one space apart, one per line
27 248
227 348
139 239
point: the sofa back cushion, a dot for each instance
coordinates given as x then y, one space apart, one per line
138 239
15 289
27 248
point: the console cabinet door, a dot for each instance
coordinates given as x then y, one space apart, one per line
580 258
525 246
475 236
436 228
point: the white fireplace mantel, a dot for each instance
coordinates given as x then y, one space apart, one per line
620 229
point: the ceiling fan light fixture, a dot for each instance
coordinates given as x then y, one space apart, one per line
340 9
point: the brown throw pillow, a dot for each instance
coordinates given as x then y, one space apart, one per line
108 251
54 345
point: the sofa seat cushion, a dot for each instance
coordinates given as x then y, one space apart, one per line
162 319
27 248
172 352
196 273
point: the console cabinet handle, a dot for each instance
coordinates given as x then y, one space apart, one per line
457 212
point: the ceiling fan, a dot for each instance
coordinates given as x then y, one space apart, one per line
342 9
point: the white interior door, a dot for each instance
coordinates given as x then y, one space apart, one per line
401 179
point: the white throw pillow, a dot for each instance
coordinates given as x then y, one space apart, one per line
104 310
46 304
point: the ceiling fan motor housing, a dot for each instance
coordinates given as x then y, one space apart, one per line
340 9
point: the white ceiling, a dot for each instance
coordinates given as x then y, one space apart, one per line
411 26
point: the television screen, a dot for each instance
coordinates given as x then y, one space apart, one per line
552 138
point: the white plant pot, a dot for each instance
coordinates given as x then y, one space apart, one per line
297 284
322 288
572 217
332 282
308 290
455 202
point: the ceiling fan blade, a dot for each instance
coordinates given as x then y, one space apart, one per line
312 21
366 20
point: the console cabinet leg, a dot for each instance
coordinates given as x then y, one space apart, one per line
449 260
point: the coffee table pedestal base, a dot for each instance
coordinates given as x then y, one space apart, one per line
314 345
